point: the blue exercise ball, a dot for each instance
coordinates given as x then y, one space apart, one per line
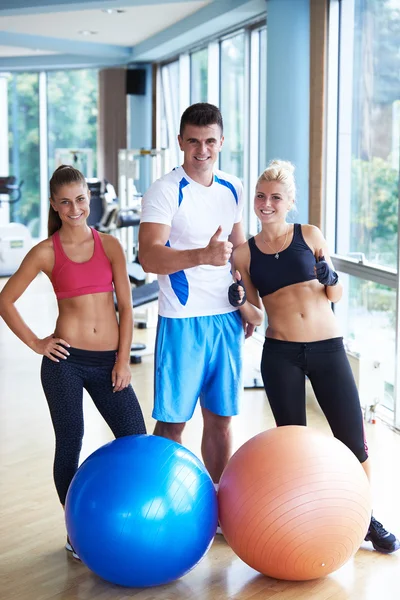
141 511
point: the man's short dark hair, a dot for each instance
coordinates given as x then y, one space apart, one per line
201 115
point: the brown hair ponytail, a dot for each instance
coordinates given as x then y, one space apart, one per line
63 175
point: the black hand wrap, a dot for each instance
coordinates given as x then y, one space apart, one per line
234 295
324 273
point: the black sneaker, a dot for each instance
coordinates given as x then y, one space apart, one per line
382 540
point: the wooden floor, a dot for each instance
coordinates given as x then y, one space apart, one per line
33 562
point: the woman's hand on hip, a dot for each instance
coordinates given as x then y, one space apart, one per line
121 376
52 347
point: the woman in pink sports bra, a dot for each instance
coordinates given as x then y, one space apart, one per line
89 349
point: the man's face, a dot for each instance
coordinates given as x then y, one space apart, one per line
200 146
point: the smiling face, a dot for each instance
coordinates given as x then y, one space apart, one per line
71 202
271 202
200 146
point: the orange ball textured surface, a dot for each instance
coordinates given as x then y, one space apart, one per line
294 503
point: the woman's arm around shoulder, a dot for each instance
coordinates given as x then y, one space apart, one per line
324 268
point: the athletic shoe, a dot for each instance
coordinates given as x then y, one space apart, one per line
69 548
382 540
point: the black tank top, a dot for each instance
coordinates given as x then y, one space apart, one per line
294 265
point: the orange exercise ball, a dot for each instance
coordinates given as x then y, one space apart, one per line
294 504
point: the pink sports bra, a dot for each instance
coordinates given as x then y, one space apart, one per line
72 279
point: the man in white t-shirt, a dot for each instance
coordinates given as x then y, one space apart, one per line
190 223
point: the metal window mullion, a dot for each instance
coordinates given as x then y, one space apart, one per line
254 106
43 154
184 82
396 416
345 127
169 114
4 153
329 209
213 94
247 128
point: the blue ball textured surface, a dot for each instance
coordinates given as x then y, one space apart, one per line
141 511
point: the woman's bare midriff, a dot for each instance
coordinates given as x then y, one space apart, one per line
88 322
300 313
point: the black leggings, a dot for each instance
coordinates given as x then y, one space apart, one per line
284 367
63 385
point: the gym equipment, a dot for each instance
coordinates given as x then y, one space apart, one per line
107 217
137 167
141 511
15 238
141 295
145 294
131 218
79 158
294 504
104 205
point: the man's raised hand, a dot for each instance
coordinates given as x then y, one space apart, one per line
218 253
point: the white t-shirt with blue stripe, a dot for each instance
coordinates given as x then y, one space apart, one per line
194 212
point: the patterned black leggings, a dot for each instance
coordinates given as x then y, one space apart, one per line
63 385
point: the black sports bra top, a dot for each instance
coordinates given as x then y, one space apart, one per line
294 265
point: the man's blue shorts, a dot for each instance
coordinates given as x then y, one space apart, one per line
198 357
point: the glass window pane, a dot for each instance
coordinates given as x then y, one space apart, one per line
232 104
23 131
170 117
367 314
164 143
199 76
72 99
368 229
262 163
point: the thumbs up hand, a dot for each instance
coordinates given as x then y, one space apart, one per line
217 252
323 272
236 291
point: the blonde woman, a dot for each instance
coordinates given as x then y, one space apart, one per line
286 268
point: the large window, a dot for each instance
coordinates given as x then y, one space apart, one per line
199 76
367 312
232 103
370 111
262 113
229 72
257 146
72 119
23 127
52 119
170 113
362 212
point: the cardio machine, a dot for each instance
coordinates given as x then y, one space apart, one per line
15 238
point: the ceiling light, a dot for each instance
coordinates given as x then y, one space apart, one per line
87 32
111 11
